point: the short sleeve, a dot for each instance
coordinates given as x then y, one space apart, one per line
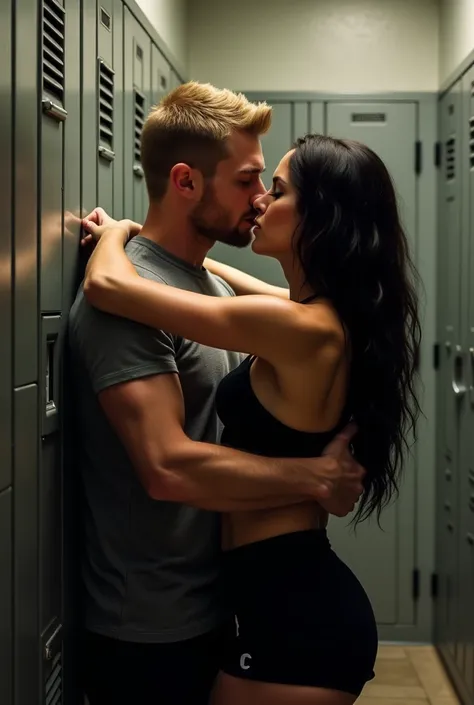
114 350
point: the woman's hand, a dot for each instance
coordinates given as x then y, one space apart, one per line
123 229
99 218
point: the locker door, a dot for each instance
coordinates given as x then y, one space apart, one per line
54 114
6 604
449 255
6 135
161 76
102 152
466 468
386 570
107 143
137 85
286 117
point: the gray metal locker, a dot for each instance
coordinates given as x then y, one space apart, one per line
466 391
102 132
25 288
137 86
27 656
290 120
6 134
161 76
6 594
387 570
54 115
449 256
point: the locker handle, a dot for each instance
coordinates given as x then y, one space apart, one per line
470 539
471 386
137 170
53 110
458 384
106 154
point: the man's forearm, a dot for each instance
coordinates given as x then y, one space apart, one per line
222 479
243 283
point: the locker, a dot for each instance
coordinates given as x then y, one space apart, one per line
466 390
25 546
27 17
5 244
161 76
386 571
102 155
6 603
72 160
54 115
137 86
448 401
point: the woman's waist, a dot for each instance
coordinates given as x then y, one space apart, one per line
243 528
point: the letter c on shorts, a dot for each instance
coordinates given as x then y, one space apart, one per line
243 662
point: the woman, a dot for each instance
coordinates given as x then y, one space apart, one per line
343 345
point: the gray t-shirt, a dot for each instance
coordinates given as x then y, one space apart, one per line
150 567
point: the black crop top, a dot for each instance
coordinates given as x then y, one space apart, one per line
249 427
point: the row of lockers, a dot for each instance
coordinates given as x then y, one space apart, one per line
78 79
455 388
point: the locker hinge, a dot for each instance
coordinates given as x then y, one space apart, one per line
416 584
436 356
418 150
434 585
437 154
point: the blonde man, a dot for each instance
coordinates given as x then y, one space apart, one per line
155 478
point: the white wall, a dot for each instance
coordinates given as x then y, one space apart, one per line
456 34
321 45
169 18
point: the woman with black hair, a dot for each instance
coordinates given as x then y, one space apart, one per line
342 344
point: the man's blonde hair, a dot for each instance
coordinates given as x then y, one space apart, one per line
191 125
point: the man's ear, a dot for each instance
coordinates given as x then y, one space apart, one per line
187 181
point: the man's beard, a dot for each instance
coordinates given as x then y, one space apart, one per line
212 221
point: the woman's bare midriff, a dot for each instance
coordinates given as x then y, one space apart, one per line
240 528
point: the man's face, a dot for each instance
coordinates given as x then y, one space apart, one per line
225 213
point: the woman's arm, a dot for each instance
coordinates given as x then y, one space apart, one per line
267 326
244 284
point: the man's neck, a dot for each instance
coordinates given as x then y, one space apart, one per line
176 237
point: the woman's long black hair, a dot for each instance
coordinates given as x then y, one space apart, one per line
354 252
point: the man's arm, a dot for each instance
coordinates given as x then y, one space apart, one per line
148 416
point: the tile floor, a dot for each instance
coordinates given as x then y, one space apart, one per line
408 675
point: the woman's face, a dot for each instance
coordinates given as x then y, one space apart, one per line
277 217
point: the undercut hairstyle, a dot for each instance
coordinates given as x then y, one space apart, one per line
191 125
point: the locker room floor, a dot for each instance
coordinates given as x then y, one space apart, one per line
409 675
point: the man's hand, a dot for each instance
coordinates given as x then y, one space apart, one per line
344 476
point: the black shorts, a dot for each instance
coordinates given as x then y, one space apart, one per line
301 615
126 673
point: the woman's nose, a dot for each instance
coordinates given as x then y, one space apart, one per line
259 203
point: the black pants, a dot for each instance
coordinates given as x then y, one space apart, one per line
120 672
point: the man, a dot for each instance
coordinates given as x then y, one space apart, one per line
146 404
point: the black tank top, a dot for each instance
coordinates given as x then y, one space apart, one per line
249 427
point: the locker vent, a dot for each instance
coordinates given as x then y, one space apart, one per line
139 122
451 158
106 104
105 19
53 49
53 686
471 142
